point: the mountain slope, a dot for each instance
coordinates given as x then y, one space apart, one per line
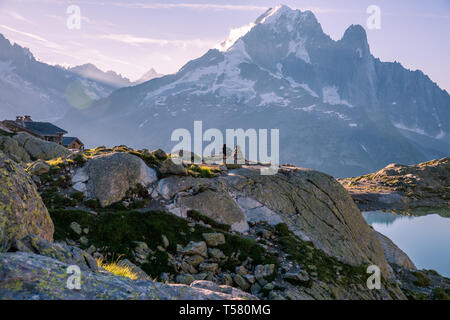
338 108
28 86
109 78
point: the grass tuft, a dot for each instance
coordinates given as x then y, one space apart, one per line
117 269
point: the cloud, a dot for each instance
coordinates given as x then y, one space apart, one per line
234 35
143 5
15 15
46 42
135 40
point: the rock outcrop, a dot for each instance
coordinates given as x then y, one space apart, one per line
394 255
40 149
61 251
22 211
109 177
403 187
293 235
315 207
12 148
312 204
29 276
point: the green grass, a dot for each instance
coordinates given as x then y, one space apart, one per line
54 200
117 269
441 294
421 279
203 171
318 261
117 231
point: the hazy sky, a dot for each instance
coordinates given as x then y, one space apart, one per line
132 36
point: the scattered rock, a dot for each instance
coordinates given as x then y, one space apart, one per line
262 271
214 239
211 267
241 270
195 260
75 227
141 252
196 248
168 167
84 240
241 282
250 278
165 241
216 254
80 176
185 279
297 276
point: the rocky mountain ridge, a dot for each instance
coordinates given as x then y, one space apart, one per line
111 78
397 186
29 86
339 109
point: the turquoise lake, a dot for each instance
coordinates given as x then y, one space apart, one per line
425 239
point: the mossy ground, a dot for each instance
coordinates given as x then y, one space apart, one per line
202 171
116 232
441 294
315 261
422 280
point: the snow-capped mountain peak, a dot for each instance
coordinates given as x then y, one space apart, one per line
280 19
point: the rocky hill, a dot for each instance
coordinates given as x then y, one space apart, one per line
222 232
403 187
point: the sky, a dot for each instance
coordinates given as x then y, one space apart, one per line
132 36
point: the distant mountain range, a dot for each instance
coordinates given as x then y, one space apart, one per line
111 78
46 92
339 109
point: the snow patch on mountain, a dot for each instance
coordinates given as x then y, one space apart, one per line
223 78
235 34
307 109
401 126
295 84
331 96
272 98
297 47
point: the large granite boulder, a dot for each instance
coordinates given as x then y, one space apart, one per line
315 207
30 276
14 151
170 186
108 177
394 255
218 206
22 211
40 149
312 204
